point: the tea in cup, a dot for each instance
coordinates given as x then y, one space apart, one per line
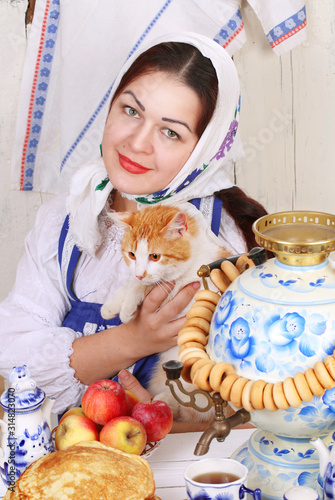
215 477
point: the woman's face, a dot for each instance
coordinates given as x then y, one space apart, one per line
150 133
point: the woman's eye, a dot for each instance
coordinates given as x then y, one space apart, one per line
154 256
131 255
130 111
171 134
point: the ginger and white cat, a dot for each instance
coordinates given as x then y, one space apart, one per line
161 244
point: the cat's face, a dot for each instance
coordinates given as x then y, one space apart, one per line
156 244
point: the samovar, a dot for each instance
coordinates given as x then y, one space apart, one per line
274 326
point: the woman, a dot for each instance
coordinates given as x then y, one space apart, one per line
170 127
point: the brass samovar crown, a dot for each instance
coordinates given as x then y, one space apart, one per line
298 238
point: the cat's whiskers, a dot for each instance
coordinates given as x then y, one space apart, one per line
164 285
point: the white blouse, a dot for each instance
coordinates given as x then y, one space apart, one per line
31 317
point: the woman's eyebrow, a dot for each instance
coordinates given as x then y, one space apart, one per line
164 118
171 120
139 104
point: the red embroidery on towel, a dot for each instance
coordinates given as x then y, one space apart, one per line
230 39
289 34
33 92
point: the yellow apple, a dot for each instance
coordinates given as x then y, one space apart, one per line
125 434
74 411
132 400
73 429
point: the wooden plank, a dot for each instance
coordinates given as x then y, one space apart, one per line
2 388
287 118
314 108
266 122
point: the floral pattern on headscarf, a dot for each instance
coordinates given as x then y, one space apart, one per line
227 142
166 193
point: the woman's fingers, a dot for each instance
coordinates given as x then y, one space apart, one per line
130 383
170 310
175 306
156 327
154 299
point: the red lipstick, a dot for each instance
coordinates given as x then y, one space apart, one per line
131 166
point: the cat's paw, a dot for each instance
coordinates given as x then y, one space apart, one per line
126 316
108 311
128 311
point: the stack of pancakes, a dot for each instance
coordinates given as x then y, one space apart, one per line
86 471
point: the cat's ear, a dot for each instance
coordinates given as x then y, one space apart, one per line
122 219
177 227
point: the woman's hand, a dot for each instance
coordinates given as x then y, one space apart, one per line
155 328
105 353
130 383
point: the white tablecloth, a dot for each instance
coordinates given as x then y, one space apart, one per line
175 453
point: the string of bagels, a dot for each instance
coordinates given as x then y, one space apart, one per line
221 377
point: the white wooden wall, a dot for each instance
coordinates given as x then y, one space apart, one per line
287 123
288 115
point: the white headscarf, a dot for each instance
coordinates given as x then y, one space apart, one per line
207 170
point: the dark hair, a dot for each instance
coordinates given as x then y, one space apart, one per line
188 65
244 210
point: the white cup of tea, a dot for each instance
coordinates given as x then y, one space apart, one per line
213 478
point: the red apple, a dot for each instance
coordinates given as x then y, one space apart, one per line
157 418
132 400
74 411
104 400
73 429
125 434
